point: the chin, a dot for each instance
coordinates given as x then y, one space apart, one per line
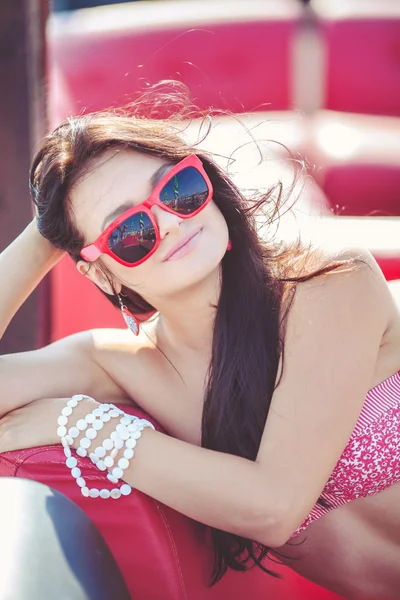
191 271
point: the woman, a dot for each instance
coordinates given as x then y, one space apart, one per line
276 361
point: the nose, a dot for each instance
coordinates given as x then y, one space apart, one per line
167 222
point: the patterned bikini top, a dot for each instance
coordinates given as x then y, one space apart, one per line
371 460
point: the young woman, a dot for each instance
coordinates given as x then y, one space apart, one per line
275 370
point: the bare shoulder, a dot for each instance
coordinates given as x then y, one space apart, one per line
118 340
129 360
358 283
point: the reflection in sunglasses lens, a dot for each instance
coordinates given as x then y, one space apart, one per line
185 192
133 239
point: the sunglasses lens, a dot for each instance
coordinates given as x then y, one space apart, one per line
185 192
133 239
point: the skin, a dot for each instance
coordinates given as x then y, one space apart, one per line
357 541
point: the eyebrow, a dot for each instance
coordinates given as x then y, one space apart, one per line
154 179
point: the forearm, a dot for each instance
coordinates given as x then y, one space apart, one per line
23 264
217 489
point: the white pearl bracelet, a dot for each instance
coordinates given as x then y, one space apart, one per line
67 437
127 432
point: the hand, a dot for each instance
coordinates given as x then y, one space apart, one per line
35 424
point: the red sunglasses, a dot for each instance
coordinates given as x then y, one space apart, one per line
134 236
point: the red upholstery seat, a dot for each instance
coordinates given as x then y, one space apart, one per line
161 554
108 55
362 41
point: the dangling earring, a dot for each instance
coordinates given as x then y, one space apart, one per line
129 319
229 246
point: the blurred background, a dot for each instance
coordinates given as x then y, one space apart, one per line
320 79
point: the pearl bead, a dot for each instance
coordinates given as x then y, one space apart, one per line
76 472
114 436
117 472
112 478
124 435
105 493
109 462
114 452
98 425
126 421
105 418
73 432
61 431
114 412
85 491
71 462
115 493
101 466
100 451
94 493
67 452
123 463
129 453
63 420
97 412
108 445
90 418
81 424
85 443
119 444
131 443
81 482
73 402
94 458
91 434
125 489
135 435
81 452
66 411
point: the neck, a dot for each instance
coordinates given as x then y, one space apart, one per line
186 321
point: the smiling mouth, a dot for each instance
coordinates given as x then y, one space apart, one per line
185 246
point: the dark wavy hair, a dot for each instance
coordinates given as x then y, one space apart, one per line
258 281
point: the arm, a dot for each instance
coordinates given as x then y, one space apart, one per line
58 369
23 264
333 336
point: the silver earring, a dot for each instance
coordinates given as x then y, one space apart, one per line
129 319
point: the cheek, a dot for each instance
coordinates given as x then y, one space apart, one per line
216 222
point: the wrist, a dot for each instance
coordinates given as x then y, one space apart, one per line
42 249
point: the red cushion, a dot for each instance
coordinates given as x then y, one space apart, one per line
161 553
107 54
363 56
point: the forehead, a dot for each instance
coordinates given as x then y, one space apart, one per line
117 177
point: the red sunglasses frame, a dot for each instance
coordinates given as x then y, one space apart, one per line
91 252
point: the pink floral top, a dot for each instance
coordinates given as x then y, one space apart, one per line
371 460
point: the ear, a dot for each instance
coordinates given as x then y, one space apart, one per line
95 274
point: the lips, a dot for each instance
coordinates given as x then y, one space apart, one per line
181 243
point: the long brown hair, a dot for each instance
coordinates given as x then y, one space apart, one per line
257 276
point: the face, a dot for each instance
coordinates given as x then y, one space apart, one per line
123 179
